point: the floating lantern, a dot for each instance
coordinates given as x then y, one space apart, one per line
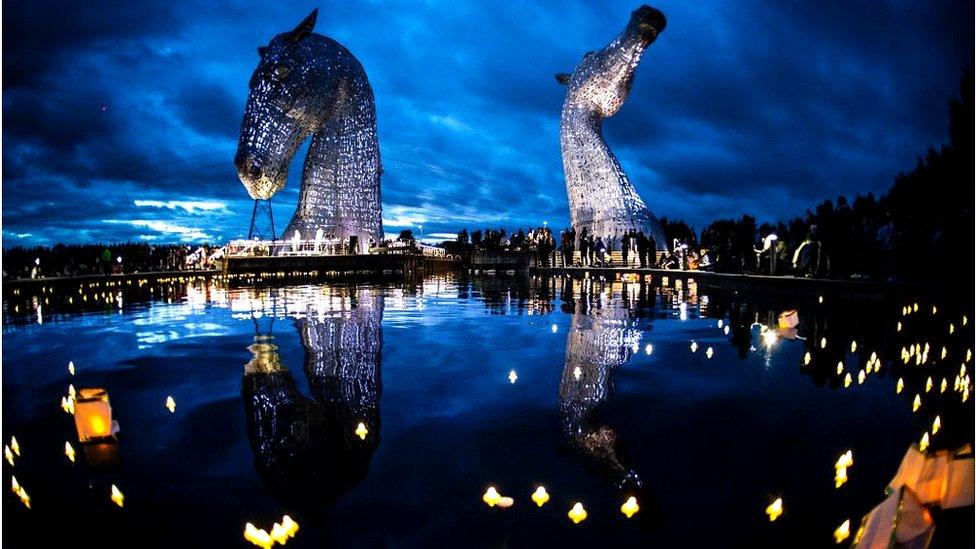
8 455
900 385
24 498
170 404
840 476
68 405
93 415
577 514
512 376
928 384
726 330
261 537
15 446
648 348
860 377
898 327
823 343
936 425
842 532
709 352
847 380
942 387
555 328
944 353
853 346
917 403
14 485
491 496
775 509
117 496
694 346
807 358
279 534
71 367
69 451
788 319
630 507
289 525
540 496
361 431
924 443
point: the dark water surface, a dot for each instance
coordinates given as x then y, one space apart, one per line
272 379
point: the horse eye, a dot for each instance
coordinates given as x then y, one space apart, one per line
280 72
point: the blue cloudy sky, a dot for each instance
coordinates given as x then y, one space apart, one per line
120 117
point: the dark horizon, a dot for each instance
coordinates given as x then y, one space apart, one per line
121 127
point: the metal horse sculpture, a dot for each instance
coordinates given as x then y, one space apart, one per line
309 85
601 198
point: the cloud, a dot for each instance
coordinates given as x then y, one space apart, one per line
185 234
189 206
739 107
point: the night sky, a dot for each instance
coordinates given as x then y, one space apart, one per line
120 118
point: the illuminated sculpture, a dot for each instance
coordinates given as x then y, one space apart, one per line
309 85
604 335
601 198
307 450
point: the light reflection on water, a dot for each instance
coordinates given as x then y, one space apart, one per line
273 380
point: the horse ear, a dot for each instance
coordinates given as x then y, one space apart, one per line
304 28
562 78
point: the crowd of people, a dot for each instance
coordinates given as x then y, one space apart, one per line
89 259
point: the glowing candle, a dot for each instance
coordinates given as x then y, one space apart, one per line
8 455
900 385
540 496
917 403
512 376
840 368
93 415
261 537
361 431
15 446
898 328
944 353
847 380
842 532
924 443
630 507
709 352
860 377
807 358
577 514
170 404
854 346
936 425
928 384
942 387
117 496
775 509
71 367
69 451
279 534
823 343
14 485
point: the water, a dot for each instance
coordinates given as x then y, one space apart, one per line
271 379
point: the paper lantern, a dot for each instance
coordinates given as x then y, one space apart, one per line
93 415
788 319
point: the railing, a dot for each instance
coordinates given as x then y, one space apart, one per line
288 248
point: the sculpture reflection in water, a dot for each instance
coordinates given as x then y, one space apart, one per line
604 335
310 452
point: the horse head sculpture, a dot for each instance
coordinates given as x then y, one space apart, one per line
305 85
601 197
